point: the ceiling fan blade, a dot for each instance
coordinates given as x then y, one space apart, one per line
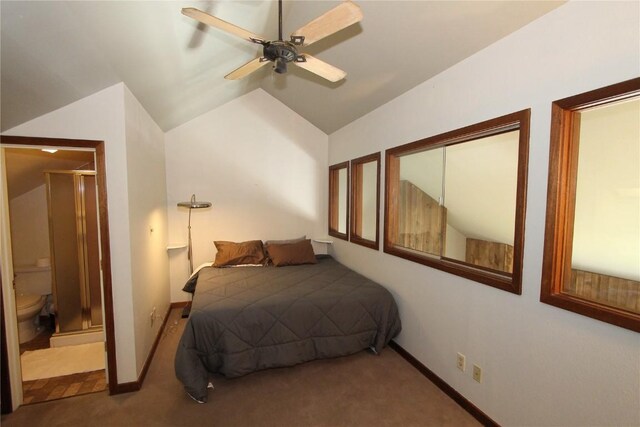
247 68
321 68
336 19
205 18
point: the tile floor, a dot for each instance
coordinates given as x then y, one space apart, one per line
65 386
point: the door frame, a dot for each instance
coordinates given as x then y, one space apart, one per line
7 404
109 325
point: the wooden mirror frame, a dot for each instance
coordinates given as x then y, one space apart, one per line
510 122
356 200
561 194
334 202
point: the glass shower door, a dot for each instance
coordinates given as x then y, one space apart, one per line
74 240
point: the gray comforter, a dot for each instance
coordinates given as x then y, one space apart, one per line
250 318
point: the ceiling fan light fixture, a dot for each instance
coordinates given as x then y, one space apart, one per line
281 66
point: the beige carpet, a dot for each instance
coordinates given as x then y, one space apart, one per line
359 390
59 361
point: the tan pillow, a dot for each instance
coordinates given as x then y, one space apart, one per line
280 242
291 253
231 253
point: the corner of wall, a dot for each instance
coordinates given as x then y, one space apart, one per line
147 194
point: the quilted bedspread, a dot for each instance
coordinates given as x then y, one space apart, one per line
250 318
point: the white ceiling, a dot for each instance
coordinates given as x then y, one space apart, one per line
56 52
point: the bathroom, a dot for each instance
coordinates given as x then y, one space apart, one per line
56 262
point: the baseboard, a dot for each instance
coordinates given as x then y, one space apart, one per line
137 385
472 409
126 387
185 305
179 304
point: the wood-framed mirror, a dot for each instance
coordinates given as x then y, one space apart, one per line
456 201
591 263
339 200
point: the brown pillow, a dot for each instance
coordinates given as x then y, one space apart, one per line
292 253
231 253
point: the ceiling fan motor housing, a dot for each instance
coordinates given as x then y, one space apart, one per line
280 52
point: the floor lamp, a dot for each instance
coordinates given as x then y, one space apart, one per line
191 204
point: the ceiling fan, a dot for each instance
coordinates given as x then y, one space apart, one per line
282 52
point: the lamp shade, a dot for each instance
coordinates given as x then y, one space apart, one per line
193 204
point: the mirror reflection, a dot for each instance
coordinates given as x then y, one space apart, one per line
459 201
369 196
339 200
480 186
342 200
420 214
606 245
365 203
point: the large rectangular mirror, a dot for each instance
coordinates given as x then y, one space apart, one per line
365 200
339 200
456 201
592 242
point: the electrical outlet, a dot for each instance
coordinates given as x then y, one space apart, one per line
461 362
477 373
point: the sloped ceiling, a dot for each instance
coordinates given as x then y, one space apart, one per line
56 52
25 167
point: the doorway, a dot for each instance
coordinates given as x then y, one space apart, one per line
95 309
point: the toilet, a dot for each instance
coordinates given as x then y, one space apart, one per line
28 307
32 284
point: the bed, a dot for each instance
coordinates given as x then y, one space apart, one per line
251 318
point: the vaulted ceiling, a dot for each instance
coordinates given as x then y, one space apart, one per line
56 52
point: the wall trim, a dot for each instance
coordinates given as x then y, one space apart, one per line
180 304
121 388
472 409
6 407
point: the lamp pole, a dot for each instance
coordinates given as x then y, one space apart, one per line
192 204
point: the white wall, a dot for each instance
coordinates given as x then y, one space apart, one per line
148 224
29 226
542 365
262 166
101 116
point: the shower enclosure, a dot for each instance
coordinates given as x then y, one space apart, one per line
75 251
